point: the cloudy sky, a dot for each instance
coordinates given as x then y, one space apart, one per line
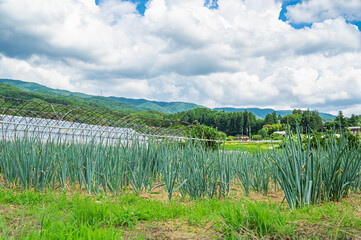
240 53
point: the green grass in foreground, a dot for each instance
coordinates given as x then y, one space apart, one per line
73 215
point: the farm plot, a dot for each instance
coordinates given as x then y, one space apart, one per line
306 175
303 175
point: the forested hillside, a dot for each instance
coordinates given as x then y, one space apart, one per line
165 107
114 103
14 92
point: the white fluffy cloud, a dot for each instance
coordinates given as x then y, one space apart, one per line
240 54
319 10
30 70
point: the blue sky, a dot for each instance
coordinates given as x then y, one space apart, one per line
140 5
234 53
284 11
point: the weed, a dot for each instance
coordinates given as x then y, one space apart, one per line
254 219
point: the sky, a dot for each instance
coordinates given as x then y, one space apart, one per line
216 53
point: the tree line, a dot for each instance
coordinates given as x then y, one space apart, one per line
246 123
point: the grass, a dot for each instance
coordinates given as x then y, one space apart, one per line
73 214
255 220
247 146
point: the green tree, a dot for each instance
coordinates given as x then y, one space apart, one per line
293 120
341 120
263 133
306 120
271 118
231 123
354 120
297 111
316 121
274 116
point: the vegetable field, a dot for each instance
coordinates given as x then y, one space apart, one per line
58 189
305 174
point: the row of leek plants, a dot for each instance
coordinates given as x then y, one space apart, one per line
310 175
254 171
143 166
305 174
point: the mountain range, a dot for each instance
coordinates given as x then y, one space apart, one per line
34 91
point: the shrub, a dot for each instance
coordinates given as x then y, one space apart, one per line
256 137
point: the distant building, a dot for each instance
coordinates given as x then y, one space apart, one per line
282 133
354 130
242 138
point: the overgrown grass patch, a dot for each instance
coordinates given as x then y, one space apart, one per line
332 220
254 220
73 215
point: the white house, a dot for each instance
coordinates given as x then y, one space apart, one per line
354 130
